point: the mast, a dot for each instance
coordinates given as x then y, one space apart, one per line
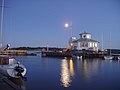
102 43
110 43
70 29
1 23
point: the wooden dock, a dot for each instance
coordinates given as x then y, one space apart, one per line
14 52
6 84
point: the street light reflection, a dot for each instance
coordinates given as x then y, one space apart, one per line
71 68
65 74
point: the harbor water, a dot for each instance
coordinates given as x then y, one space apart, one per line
70 74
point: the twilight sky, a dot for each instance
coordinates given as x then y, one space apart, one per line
41 22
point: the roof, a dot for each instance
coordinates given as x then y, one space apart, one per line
86 40
84 33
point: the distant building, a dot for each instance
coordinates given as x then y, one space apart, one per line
85 42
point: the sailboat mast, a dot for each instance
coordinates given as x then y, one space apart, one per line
1 25
110 43
102 43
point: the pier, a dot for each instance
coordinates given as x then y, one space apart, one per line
7 84
85 54
15 52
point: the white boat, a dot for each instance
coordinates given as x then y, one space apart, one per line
11 68
77 57
118 57
108 57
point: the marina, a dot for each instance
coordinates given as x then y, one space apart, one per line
40 50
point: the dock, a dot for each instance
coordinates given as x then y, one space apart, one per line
7 84
15 52
56 54
85 54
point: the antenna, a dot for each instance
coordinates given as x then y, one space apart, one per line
1 25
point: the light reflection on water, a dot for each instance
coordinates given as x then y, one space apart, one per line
87 68
67 71
71 68
65 74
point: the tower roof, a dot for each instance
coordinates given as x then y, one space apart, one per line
84 33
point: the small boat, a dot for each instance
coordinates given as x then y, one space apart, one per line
108 57
118 57
11 68
77 57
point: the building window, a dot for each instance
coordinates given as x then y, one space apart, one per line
95 44
81 44
90 44
88 36
85 44
84 36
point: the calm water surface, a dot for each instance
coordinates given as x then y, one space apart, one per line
61 74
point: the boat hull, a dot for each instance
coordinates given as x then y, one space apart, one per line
108 57
118 58
9 70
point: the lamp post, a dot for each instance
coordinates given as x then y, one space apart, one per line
69 26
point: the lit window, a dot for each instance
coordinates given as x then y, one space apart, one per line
90 44
88 36
95 44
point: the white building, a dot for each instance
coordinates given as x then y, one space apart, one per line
85 42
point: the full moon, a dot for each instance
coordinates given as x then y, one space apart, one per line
66 25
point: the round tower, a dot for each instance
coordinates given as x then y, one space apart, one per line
85 35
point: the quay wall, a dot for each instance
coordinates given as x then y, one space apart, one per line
70 54
14 52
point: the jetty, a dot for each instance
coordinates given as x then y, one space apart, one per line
7 84
83 53
16 52
13 52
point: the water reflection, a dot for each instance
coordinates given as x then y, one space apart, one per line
71 68
89 68
65 74
67 71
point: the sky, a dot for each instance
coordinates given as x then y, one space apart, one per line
37 23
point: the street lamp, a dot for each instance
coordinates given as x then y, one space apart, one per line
69 26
